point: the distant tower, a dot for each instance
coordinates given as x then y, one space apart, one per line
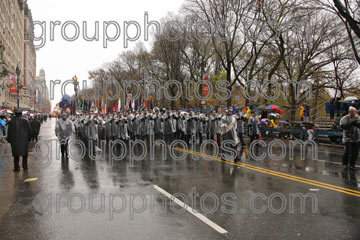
44 106
42 75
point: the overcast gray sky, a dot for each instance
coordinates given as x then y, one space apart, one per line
62 60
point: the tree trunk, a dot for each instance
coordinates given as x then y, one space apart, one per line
228 78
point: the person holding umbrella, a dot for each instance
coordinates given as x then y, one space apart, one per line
19 135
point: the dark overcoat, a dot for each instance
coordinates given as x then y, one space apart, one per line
35 127
19 135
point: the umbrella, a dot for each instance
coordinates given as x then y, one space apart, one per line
274 115
276 108
261 107
350 99
264 121
7 111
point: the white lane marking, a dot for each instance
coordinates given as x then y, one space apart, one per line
192 211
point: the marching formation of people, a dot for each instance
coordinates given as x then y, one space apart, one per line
190 127
165 124
168 125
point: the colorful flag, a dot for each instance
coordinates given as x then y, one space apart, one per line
13 84
133 105
142 82
205 89
102 105
139 104
119 105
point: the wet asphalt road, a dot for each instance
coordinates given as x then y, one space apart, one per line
87 199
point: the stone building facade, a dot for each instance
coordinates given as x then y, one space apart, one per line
16 52
29 56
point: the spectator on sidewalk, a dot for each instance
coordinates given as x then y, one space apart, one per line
19 135
2 125
353 104
345 109
253 128
306 113
301 113
351 137
338 107
332 108
35 127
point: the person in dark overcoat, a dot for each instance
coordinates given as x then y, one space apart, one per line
35 128
19 135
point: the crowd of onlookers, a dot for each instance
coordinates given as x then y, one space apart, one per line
35 120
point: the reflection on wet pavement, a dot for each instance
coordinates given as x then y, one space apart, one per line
98 200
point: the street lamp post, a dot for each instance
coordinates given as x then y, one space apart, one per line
2 74
17 71
76 84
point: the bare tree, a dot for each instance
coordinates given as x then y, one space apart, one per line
306 57
227 18
348 12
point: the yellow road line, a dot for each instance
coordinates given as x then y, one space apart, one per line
279 174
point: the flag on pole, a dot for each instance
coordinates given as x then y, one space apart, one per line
205 89
102 105
119 105
133 105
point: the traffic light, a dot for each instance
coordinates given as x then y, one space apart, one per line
75 78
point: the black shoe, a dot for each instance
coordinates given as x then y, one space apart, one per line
352 168
25 168
16 169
